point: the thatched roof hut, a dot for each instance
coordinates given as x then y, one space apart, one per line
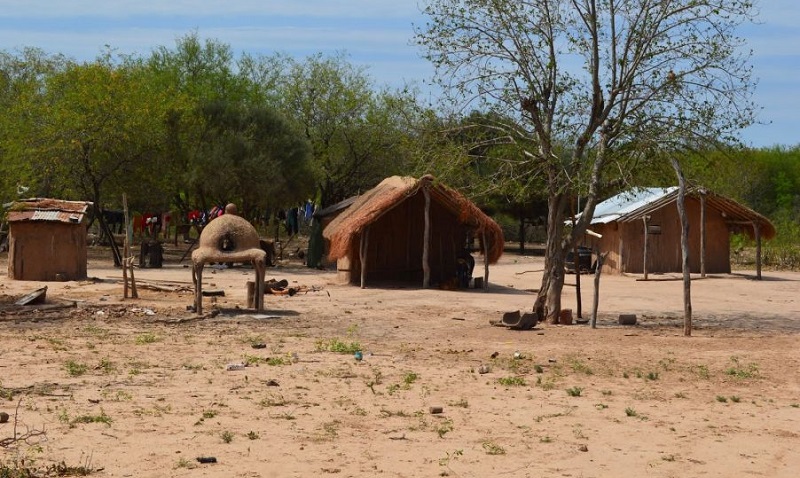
47 239
641 230
408 229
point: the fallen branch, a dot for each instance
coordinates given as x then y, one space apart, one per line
25 437
525 272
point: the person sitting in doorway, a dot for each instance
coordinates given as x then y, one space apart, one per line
465 263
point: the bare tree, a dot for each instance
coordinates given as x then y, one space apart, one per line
687 279
585 79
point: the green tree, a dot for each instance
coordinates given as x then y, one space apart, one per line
23 78
250 156
588 78
354 131
100 131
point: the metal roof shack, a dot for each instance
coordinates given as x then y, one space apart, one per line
47 239
640 230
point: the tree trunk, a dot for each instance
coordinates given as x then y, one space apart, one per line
548 301
687 279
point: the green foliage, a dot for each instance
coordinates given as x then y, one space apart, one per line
23 468
162 127
445 427
263 155
102 418
353 131
147 338
410 378
512 381
574 391
75 369
493 448
742 371
338 346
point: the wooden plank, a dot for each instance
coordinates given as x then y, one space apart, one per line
36 297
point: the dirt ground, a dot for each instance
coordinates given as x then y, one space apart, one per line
142 388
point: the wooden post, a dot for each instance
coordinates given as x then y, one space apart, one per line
363 256
261 269
251 295
426 238
596 303
197 276
644 259
576 263
126 252
702 234
757 231
485 263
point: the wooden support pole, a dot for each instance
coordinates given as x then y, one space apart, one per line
757 231
125 278
134 293
363 256
596 303
261 269
251 295
426 239
644 259
197 276
127 259
485 263
702 234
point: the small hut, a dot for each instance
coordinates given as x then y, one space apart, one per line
641 231
47 240
410 230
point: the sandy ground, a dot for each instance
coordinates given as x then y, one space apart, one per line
140 388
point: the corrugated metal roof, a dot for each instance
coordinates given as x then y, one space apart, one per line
45 215
635 204
48 210
616 207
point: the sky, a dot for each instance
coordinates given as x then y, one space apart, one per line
376 34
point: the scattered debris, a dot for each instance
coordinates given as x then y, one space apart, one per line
484 369
35 297
207 459
517 321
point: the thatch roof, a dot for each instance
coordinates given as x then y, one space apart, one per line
376 202
633 205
